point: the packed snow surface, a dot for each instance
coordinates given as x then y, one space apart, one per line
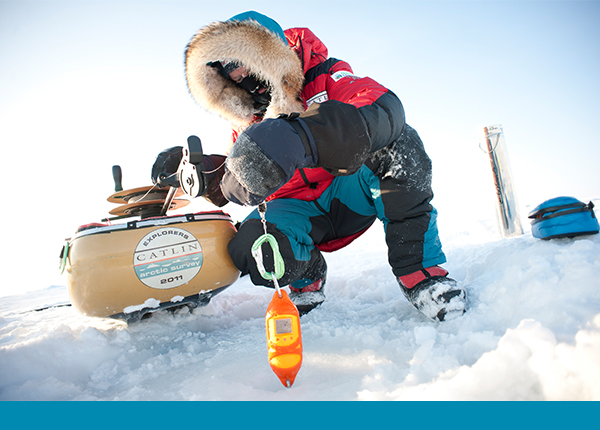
532 332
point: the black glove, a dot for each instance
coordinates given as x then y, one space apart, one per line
166 164
215 167
168 161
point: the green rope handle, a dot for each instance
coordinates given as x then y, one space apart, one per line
63 260
278 259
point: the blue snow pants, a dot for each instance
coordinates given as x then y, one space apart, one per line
394 186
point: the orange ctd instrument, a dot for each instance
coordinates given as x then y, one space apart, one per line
282 319
284 338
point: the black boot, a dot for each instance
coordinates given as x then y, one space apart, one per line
308 292
438 297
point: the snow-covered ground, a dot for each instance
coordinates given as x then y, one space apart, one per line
532 332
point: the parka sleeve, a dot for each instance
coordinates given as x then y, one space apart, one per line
337 135
360 117
380 108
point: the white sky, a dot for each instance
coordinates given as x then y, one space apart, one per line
88 84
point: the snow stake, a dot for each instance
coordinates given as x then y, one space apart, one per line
282 319
507 209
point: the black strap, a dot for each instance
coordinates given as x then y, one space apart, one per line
311 185
580 206
291 119
547 215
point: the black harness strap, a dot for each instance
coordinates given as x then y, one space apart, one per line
311 185
291 119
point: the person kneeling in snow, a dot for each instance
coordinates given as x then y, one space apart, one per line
328 151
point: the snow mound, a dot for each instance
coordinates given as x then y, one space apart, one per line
532 332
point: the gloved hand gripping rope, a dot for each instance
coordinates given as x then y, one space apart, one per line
279 268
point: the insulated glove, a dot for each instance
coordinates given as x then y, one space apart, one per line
331 135
262 160
168 161
166 164
214 166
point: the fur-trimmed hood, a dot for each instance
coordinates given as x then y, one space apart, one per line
258 44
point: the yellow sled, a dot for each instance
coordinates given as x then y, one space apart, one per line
155 262
127 270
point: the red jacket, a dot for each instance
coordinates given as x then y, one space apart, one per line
325 79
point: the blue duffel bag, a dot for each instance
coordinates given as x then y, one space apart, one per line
563 217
